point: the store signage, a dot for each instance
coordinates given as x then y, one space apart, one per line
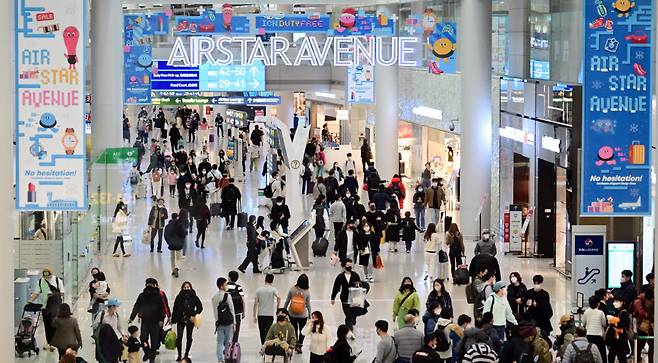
311 50
118 156
210 78
551 144
621 256
50 62
292 23
616 160
262 101
360 84
521 136
588 262
540 69
515 228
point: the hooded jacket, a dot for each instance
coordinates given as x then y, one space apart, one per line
149 306
186 305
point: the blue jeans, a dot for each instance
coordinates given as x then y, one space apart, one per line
420 217
224 336
501 332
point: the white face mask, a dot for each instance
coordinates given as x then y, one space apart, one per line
513 279
537 286
348 195
435 184
617 304
485 236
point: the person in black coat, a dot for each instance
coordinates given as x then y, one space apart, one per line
281 214
174 136
110 347
516 291
342 245
175 234
393 221
341 351
186 195
230 197
350 183
487 261
409 228
202 216
342 284
253 247
186 307
150 308
366 154
538 305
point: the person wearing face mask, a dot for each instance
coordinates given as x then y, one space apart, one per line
186 195
342 284
376 218
626 291
406 299
428 353
486 245
351 184
426 176
50 294
538 305
187 306
439 297
367 245
119 226
157 218
386 351
280 214
457 334
337 214
337 172
230 196
349 164
347 242
498 305
434 199
516 291
419 205
393 221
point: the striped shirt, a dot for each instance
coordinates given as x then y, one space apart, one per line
234 289
480 353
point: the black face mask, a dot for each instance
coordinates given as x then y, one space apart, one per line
408 286
348 268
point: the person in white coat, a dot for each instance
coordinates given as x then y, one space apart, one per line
119 226
431 238
157 184
320 336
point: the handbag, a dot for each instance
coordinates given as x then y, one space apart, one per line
366 251
357 297
443 256
333 260
146 237
197 321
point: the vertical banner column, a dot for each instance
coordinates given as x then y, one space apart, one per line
138 59
616 165
50 90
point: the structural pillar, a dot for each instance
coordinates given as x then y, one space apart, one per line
386 112
519 38
286 109
106 75
475 66
7 102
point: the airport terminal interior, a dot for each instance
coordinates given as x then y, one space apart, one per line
388 181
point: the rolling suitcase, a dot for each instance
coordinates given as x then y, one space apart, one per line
211 138
242 217
320 246
232 353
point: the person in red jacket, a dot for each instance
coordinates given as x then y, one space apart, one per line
643 310
398 188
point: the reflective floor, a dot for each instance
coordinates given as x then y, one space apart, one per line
226 249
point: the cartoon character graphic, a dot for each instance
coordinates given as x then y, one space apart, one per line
71 35
144 60
623 7
47 120
227 11
428 21
606 155
347 20
443 45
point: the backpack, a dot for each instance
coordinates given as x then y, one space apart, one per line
473 296
442 343
237 299
298 304
267 191
224 314
526 355
585 355
541 350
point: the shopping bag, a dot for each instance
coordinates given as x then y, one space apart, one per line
636 153
333 260
378 262
170 340
357 297
197 321
146 237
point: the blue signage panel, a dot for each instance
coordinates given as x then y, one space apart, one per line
159 23
211 22
232 78
293 24
616 179
443 44
540 69
352 22
360 84
588 245
137 70
262 101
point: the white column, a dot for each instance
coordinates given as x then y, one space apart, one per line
386 115
519 38
106 74
7 101
475 57
285 110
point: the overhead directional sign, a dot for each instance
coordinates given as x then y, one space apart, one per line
232 78
192 99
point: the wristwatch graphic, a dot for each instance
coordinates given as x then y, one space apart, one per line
69 141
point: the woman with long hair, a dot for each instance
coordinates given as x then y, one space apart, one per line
431 245
67 331
406 299
319 334
455 242
367 246
119 225
186 307
341 351
298 303
439 297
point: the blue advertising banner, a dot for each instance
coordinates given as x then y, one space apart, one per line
616 158
360 84
232 78
159 23
137 30
49 76
442 44
352 22
211 22
137 71
292 24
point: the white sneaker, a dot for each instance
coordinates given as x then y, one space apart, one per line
116 255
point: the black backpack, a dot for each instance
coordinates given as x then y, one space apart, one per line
442 343
224 314
585 355
267 191
237 299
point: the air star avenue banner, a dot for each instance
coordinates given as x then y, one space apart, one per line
50 88
616 158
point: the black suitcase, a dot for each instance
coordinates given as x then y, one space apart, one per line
447 222
320 246
242 220
461 276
